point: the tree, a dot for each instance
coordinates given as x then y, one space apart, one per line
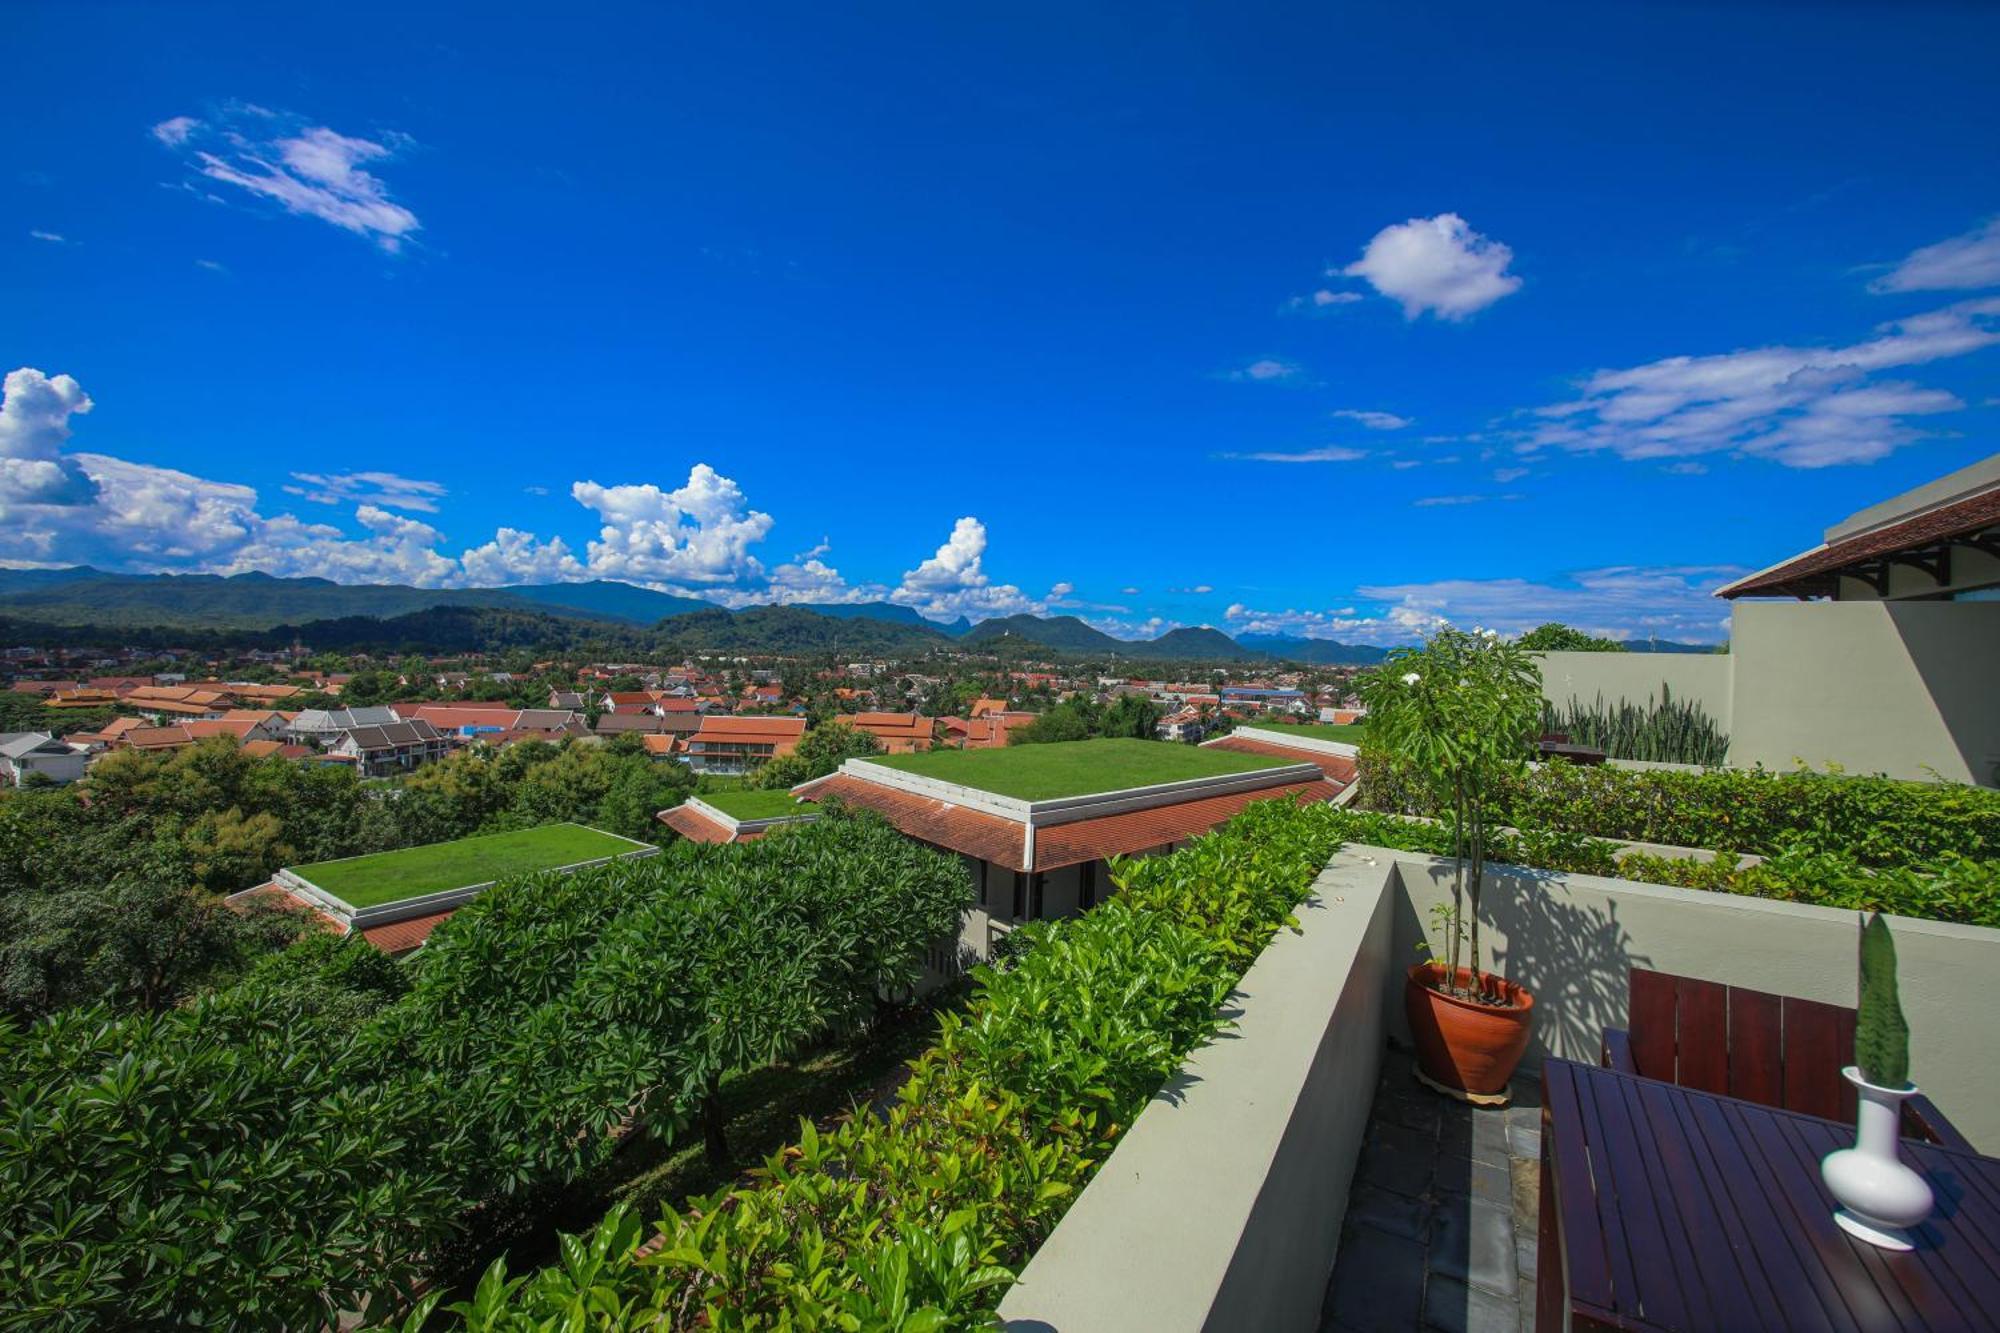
1558 637
1073 719
1132 715
1460 712
819 752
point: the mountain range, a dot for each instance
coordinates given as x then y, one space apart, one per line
80 596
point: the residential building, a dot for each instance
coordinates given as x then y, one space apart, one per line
727 744
25 754
986 732
643 724
631 701
325 725
899 733
1044 857
572 700
395 747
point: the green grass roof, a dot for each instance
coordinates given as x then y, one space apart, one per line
1073 768
388 877
756 804
1350 732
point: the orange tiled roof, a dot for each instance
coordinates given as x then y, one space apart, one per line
757 730
695 826
239 728
1337 768
940 823
405 935
1059 845
659 744
156 738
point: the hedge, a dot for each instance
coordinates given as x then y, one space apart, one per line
920 1220
1875 821
314 1140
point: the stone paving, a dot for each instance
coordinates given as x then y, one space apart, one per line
1440 1229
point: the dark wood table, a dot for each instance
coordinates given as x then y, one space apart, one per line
1668 1208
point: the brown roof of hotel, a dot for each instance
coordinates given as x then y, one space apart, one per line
940 823
759 729
898 726
1338 768
405 935
1059 845
695 826
1814 572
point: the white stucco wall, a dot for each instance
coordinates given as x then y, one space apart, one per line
1911 689
1702 678
1221 1207
1572 940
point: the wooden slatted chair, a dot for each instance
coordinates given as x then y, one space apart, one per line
1772 1049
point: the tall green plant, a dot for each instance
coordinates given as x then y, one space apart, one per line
1662 730
1459 713
1881 1035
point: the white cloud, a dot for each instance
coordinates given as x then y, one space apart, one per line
211 265
1332 453
1266 370
1798 406
1197 590
699 534
954 581
378 488
175 132
34 425
514 556
1503 475
1437 265
1374 420
52 237
309 170
1129 592
1433 501
1961 263
1321 301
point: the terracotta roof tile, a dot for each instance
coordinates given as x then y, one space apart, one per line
695 826
405 935
1137 830
1338 768
1814 570
988 837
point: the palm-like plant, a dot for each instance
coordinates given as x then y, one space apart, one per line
1461 712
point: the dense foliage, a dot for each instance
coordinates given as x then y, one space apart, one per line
1558 637
1875 821
820 751
1082 718
312 1138
109 888
919 1220
1663 730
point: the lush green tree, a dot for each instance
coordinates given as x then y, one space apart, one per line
1558 637
1071 720
1132 715
820 751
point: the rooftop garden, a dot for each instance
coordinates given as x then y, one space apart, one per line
1074 768
388 877
750 804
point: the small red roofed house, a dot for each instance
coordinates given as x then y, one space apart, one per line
899 733
728 744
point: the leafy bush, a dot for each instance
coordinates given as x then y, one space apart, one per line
313 1140
1950 888
1877 821
1663 730
919 1220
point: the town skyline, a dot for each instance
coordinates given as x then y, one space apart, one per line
1084 330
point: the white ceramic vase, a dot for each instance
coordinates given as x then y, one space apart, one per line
1880 1197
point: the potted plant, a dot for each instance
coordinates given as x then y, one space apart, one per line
1880 1196
1460 714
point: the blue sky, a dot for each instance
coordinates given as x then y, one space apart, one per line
1313 319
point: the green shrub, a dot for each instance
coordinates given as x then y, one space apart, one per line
1877 821
920 1220
1949 888
1663 730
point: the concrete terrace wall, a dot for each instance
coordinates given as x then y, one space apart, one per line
1702 678
1571 939
1903 688
1221 1207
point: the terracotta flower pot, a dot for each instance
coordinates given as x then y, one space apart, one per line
1467 1048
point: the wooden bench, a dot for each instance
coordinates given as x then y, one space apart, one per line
1774 1050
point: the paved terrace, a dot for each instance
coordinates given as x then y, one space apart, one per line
1440 1230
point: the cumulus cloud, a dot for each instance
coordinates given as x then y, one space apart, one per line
1374 420
1439 266
1332 453
1798 406
1962 263
698 534
1321 301
308 170
954 582
377 488
34 425
514 556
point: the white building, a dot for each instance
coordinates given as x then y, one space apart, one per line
24 753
